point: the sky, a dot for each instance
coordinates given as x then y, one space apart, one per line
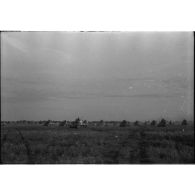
97 75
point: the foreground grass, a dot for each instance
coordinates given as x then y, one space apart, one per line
132 145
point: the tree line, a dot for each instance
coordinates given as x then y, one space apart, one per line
161 123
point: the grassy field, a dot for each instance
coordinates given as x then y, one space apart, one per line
128 145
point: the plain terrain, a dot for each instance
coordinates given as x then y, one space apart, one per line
35 144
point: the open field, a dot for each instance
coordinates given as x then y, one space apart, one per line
128 145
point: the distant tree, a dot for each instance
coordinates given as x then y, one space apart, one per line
184 122
101 122
162 123
123 123
77 120
47 123
170 123
136 123
62 123
153 123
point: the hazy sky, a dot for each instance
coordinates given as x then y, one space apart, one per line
96 75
